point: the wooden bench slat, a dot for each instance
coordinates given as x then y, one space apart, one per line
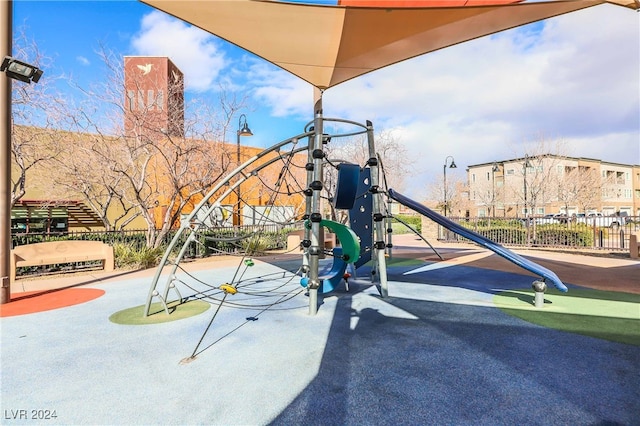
56 252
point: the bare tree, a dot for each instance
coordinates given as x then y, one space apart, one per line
393 158
154 170
457 194
484 193
36 109
579 186
538 175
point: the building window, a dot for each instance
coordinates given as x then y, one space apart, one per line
39 219
511 172
160 100
131 97
151 102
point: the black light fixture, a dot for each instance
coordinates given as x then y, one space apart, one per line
19 70
452 165
243 130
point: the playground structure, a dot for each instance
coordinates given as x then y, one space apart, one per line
358 190
356 246
325 46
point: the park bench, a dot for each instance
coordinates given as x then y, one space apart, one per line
634 246
59 252
294 238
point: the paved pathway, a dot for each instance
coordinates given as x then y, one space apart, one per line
437 351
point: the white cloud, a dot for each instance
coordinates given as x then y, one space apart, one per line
83 61
283 93
575 78
197 53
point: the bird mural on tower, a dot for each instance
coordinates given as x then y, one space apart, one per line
146 68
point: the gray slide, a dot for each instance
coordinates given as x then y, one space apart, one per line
545 274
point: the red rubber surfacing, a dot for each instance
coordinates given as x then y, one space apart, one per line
39 301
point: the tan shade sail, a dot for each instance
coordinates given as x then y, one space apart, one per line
328 45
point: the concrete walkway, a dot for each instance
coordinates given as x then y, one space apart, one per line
437 351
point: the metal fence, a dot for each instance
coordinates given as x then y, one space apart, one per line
211 242
589 233
253 239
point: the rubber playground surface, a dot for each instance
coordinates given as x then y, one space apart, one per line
457 342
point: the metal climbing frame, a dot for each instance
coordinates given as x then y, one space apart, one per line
190 226
314 131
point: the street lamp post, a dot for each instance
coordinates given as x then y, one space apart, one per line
444 172
494 169
526 207
243 130
525 166
27 73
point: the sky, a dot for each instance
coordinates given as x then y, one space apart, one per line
572 79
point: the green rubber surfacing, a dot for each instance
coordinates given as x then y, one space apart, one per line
157 314
605 315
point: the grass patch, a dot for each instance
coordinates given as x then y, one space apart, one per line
400 261
157 314
606 315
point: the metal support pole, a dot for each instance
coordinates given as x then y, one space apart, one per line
539 287
389 227
444 174
238 211
317 156
306 241
378 214
6 18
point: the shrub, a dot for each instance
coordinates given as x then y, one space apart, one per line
413 221
256 245
565 237
127 255
498 230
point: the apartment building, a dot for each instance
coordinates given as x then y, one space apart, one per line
549 184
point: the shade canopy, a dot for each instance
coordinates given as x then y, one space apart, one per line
327 45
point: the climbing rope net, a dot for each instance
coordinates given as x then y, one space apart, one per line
273 174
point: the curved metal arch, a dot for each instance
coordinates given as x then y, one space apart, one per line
240 175
204 203
339 120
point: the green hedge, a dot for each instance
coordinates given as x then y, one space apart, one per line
414 221
565 237
514 232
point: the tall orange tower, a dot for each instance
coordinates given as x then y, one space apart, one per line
154 97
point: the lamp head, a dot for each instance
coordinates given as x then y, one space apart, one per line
245 131
19 70
453 163
243 127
